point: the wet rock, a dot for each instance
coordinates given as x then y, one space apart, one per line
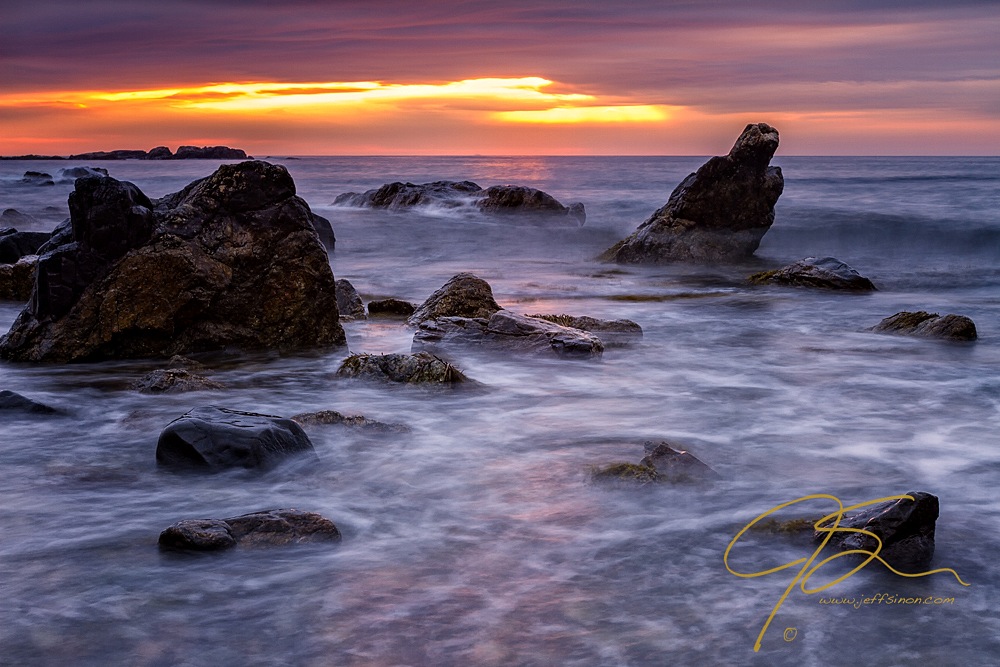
213 439
267 528
12 403
613 333
718 213
465 295
173 381
525 201
508 332
70 174
824 273
349 301
334 418
400 196
17 280
325 232
14 244
390 308
246 272
928 325
625 472
905 527
37 178
673 465
11 217
420 368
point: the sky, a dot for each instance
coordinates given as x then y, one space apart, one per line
543 77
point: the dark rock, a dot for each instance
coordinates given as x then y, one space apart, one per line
14 244
674 465
110 155
245 267
718 213
400 196
525 201
159 153
70 174
349 301
334 418
209 153
173 381
214 439
11 402
824 273
507 332
390 308
611 332
18 280
267 528
325 231
11 217
625 472
465 295
420 368
905 527
928 325
37 178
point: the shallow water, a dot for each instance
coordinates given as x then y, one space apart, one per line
478 538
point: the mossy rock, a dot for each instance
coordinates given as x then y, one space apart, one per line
627 472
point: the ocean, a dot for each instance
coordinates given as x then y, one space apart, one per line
479 537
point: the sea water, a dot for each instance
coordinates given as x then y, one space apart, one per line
479 537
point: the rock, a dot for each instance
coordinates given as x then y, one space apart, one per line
209 153
14 244
465 295
420 368
214 439
401 196
70 174
11 217
325 231
390 308
905 527
246 271
17 280
928 325
507 332
625 472
159 153
126 154
173 381
825 273
349 301
37 178
266 528
613 333
674 465
334 418
719 213
13 403
524 201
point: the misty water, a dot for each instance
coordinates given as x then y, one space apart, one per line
479 538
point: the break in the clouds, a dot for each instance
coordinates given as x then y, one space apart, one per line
650 76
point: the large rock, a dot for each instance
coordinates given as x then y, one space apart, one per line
465 295
823 273
325 231
613 333
400 196
37 178
14 244
928 325
213 439
70 174
230 261
524 201
718 213
266 528
420 368
17 280
905 527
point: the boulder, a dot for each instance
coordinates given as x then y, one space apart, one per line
209 153
390 308
14 244
17 280
231 261
905 527
507 332
719 213
267 528
213 439
528 202
465 295
12 403
674 465
325 231
825 273
400 196
334 418
37 178
349 301
928 325
420 368
70 174
613 333
173 381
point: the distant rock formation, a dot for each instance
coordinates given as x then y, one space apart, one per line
823 273
158 153
928 325
258 529
719 213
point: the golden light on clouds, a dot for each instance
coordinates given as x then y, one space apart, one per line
639 113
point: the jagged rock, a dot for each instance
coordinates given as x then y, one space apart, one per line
613 333
928 325
246 271
173 381
465 295
14 244
673 465
718 213
37 178
420 368
14 403
349 301
212 439
508 332
266 528
18 279
390 308
824 273
70 174
905 527
334 418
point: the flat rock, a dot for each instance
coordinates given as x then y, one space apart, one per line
18 280
349 301
719 213
613 333
824 273
928 325
420 368
173 381
277 527
390 308
334 418
465 295
213 439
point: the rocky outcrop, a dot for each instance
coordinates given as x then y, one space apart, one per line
420 368
12 403
37 178
70 174
390 308
120 154
163 153
359 422
259 529
515 202
824 273
18 279
349 301
212 439
14 244
613 333
173 381
928 325
719 213
905 528
232 261
465 295
662 463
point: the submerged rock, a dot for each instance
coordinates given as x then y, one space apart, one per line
17 280
718 213
928 325
662 463
14 403
465 295
267 528
14 244
173 381
334 418
37 178
524 201
11 217
824 273
390 308
349 301
611 332
230 261
420 368
212 439
625 472
70 174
